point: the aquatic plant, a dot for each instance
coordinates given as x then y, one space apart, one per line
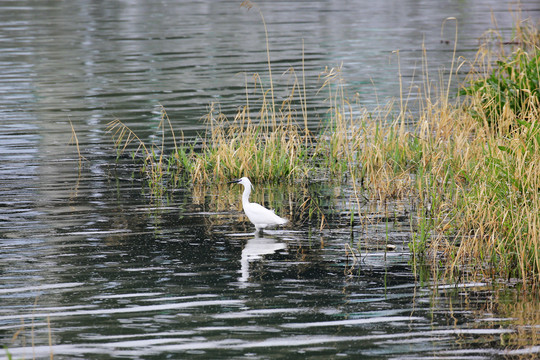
22 333
8 355
156 165
231 149
509 91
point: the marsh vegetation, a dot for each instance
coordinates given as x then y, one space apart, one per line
470 160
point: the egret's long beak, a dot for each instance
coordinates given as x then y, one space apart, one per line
234 181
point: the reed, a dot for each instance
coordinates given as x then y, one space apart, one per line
75 140
476 181
156 165
231 149
22 333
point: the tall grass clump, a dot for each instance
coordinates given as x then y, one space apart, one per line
497 211
509 91
234 148
480 174
471 165
263 141
155 162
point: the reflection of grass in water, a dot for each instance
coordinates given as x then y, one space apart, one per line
513 310
476 182
523 313
21 335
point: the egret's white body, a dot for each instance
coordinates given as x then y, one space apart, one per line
260 216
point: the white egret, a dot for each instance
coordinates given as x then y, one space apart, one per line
260 216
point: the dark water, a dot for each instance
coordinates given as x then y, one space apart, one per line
92 267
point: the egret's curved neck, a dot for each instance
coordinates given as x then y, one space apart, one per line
245 195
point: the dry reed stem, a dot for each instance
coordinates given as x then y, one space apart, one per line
74 139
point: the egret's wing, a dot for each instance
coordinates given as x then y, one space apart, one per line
258 214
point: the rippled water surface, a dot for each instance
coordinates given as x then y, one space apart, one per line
92 267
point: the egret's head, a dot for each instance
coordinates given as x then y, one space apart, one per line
244 181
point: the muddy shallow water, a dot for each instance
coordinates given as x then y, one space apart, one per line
93 267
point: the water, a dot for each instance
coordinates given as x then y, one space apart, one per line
92 268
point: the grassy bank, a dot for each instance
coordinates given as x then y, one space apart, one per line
472 163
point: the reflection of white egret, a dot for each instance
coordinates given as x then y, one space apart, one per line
260 216
254 250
